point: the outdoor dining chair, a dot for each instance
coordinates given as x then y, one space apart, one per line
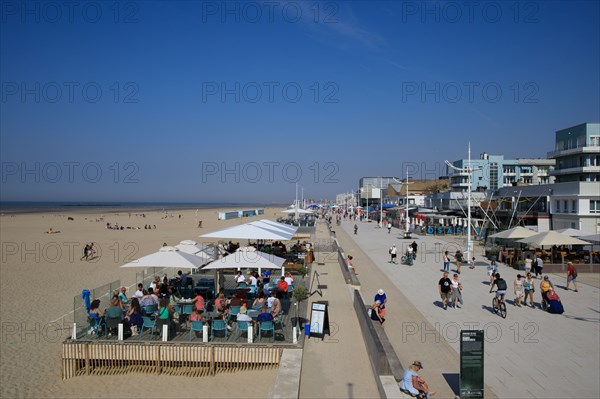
150 310
218 325
267 326
196 327
241 327
148 323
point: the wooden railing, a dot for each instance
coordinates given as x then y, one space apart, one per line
181 359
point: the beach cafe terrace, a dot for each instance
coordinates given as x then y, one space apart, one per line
184 346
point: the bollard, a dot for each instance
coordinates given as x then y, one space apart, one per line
250 333
205 333
120 332
165 333
295 332
74 333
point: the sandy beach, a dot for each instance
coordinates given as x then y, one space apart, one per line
40 275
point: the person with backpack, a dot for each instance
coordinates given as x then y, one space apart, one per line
458 256
571 276
501 286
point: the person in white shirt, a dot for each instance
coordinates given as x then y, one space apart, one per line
239 279
242 316
393 253
139 293
252 280
289 279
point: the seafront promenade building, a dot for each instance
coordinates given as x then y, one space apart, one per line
492 172
577 153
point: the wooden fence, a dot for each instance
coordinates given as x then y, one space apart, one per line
191 360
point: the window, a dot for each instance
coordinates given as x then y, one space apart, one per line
557 206
594 141
573 206
566 206
594 206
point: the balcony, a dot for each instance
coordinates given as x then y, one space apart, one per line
574 151
577 170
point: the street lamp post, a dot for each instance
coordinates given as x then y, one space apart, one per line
406 184
381 202
469 171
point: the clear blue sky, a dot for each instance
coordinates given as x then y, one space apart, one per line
151 101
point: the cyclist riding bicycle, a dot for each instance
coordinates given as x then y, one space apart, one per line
501 286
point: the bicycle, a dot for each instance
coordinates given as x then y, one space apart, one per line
499 308
406 260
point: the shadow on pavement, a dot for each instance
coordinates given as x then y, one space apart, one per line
453 381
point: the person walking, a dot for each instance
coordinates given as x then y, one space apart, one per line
539 266
414 246
381 297
389 227
571 276
528 263
529 289
446 262
393 254
355 228
518 287
458 256
445 289
456 291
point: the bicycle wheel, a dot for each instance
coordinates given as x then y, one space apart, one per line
502 310
494 305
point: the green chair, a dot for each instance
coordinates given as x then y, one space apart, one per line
242 327
148 323
218 325
197 326
267 326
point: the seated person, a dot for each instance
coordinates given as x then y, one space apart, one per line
252 280
413 383
198 300
123 296
235 301
263 316
134 316
243 316
221 304
165 315
95 310
259 301
140 291
149 298
114 311
197 315
545 286
282 285
266 276
239 278
276 307
289 279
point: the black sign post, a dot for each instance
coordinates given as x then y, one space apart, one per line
319 320
471 364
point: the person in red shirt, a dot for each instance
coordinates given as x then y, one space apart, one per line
282 285
198 300
571 276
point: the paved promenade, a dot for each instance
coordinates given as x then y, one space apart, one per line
337 366
529 354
